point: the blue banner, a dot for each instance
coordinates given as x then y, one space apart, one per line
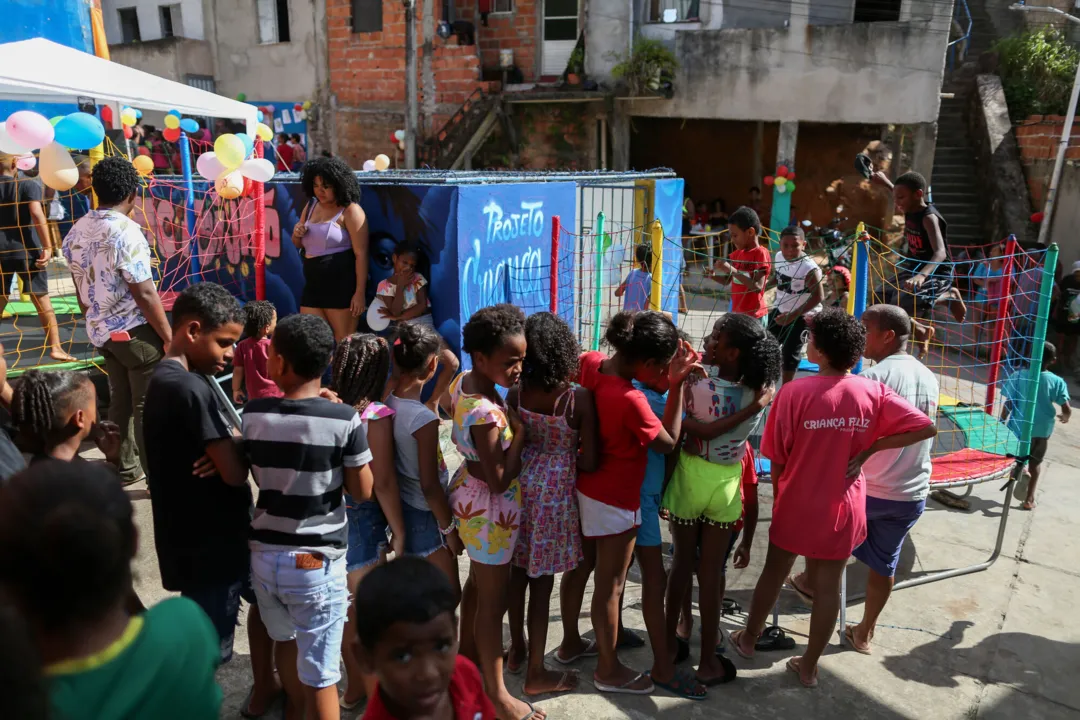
667 208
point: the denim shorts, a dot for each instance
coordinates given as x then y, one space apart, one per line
422 536
648 533
221 603
367 534
304 604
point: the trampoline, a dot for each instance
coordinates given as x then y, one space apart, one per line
23 338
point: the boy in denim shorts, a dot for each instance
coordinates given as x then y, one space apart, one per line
305 452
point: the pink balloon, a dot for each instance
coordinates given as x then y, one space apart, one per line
30 129
26 163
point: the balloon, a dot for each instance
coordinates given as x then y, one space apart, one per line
249 144
189 125
790 176
369 165
171 134
29 129
259 115
791 187
1037 217
298 107
143 165
393 138
769 179
270 109
209 166
381 162
782 170
780 181
257 169
401 145
230 185
128 117
781 188
56 119
264 133
80 130
106 114
57 169
230 151
8 145
127 132
26 162
307 105
143 150
399 135
241 96
174 113
138 114
172 122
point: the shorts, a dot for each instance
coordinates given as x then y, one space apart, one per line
792 338
221 603
329 281
922 299
887 524
703 491
648 534
367 534
18 259
422 536
1037 452
599 519
305 604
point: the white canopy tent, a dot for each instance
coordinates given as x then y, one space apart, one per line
40 70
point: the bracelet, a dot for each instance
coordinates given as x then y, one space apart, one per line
449 528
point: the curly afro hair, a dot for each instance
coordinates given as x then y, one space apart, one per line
258 314
114 179
838 336
551 355
759 352
360 368
489 327
306 342
336 175
643 336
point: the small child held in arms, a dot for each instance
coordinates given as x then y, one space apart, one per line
405 296
250 380
747 269
1052 390
67 540
305 452
820 431
839 284
407 638
635 289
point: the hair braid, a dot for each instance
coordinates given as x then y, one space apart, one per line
360 368
40 401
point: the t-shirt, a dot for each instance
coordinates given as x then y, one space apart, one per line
654 467
747 486
387 288
903 474
16 226
285 157
745 300
1052 391
411 416
105 251
76 205
992 289
918 240
795 280
299 450
11 460
710 399
627 426
251 355
638 286
162 666
466 694
815 427
194 518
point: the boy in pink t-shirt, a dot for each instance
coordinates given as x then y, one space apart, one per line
250 379
819 433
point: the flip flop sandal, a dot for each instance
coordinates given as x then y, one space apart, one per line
629 640
849 635
625 688
733 640
589 651
532 711
730 673
683 685
269 706
560 687
682 653
774 638
806 597
730 607
793 666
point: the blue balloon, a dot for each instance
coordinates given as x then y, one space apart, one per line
138 114
189 126
80 131
260 116
174 113
249 144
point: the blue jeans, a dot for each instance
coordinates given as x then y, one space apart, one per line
304 597
367 534
221 603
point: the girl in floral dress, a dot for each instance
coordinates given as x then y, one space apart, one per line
559 420
485 494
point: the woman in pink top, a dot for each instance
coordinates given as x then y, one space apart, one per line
819 433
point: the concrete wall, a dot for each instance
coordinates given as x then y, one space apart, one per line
170 58
191 12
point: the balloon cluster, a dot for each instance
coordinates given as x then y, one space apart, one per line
25 131
784 180
128 117
231 167
380 163
306 105
398 138
174 123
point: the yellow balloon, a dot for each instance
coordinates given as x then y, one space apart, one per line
128 118
143 165
264 133
230 186
381 162
172 122
230 150
306 105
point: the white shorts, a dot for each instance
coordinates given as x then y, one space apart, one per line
601 520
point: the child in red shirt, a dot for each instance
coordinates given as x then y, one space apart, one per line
819 433
647 346
407 633
749 266
250 379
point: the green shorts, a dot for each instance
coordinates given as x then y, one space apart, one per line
702 491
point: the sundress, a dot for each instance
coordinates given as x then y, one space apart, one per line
549 541
487 524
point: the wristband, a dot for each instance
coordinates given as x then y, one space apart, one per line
449 528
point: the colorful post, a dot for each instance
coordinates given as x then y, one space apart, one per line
259 237
1031 382
556 228
860 273
599 295
189 200
656 235
1002 300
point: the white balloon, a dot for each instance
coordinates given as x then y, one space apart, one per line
257 170
58 170
209 166
8 145
369 165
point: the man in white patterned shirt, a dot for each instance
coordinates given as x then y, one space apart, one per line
109 260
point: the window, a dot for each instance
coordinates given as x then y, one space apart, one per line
129 25
366 16
273 17
171 23
670 11
502 6
877 11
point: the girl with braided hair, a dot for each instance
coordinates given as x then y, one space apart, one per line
360 368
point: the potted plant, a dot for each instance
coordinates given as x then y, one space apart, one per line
649 67
575 67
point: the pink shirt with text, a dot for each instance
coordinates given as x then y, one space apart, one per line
816 425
